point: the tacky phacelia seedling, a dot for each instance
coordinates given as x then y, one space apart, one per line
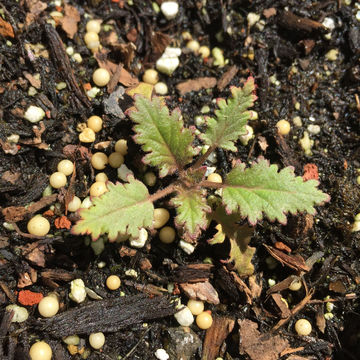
246 192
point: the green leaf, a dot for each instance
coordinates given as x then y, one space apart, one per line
124 209
262 189
231 118
239 236
241 253
162 135
191 212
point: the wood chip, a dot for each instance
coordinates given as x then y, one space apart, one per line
159 42
36 83
295 262
35 7
337 286
6 29
110 315
227 77
215 336
35 253
202 291
292 22
282 285
58 275
269 12
27 278
260 346
18 213
283 309
243 288
320 320
192 273
10 176
125 77
70 21
255 287
196 84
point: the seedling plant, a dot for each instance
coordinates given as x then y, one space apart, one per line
246 192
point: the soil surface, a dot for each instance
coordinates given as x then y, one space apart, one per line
304 56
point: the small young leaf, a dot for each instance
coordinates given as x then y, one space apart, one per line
261 188
162 136
124 209
191 209
242 254
239 236
231 118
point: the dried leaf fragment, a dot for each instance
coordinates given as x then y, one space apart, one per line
70 20
196 84
259 346
295 262
6 28
202 291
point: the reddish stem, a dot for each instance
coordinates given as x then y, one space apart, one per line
162 193
211 184
203 157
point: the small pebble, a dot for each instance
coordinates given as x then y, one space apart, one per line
295 285
161 88
101 77
57 180
34 114
193 45
214 177
74 204
303 327
78 292
113 282
99 160
48 306
93 26
186 247
169 9
20 313
140 241
204 320
98 188
151 76
204 51
196 306
101 177
283 127
161 217
66 167
332 55
97 340
121 147
40 351
167 235
184 317
87 135
95 123
161 354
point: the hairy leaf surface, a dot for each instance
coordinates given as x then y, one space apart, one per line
191 211
162 135
124 209
262 189
231 117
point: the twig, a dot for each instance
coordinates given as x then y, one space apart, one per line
138 343
295 310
